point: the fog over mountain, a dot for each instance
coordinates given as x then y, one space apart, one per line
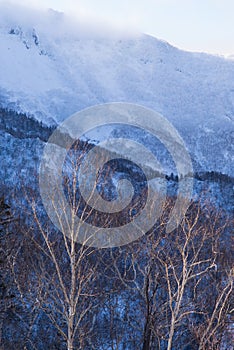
52 66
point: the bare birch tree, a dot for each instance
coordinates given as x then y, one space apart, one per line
169 274
62 271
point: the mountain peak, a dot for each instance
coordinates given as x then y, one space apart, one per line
53 71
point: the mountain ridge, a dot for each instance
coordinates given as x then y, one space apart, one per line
52 73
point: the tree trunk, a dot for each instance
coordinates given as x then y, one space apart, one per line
70 345
171 334
147 337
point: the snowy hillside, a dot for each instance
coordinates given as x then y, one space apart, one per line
51 69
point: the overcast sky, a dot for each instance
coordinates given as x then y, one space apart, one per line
196 25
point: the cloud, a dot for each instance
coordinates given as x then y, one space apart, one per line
188 24
57 23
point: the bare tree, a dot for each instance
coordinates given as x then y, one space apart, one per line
156 288
62 272
6 251
175 277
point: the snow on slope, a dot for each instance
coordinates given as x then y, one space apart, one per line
51 68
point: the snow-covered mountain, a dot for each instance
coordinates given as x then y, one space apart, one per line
51 68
